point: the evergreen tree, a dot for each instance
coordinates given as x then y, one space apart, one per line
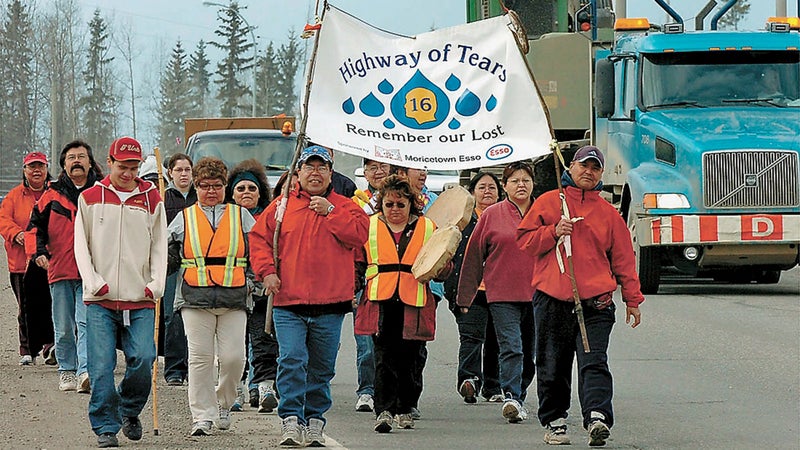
731 19
98 102
267 82
234 43
289 58
175 101
16 122
200 81
59 57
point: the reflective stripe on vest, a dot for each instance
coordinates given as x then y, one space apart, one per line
386 273
213 258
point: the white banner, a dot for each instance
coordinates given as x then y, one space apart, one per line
455 98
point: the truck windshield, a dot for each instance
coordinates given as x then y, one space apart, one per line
275 152
765 79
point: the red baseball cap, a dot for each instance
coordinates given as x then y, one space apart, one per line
34 157
126 149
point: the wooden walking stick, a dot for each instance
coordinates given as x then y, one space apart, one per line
301 141
522 42
160 169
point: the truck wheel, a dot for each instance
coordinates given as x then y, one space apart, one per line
648 262
769 277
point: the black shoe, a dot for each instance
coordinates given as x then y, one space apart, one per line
254 398
132 428
174 382
106 440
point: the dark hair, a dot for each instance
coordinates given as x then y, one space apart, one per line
210 168
278 189
257 170
93 166
177 157
400 186
515 166
473 182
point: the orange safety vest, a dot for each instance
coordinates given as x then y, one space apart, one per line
213 258
386 272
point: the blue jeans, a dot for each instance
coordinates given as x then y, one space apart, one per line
477 350
305 383
558 342
175 350
513 324
110 403
365 362
69 316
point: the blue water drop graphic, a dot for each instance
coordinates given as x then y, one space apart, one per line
491 104
454 124
388 124
348 106
420 104
468 104
371 106
452 83
385 87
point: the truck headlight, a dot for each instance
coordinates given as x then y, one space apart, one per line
665 201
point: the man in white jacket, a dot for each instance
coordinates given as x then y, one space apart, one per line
121 252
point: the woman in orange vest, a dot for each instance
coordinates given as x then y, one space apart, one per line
209 239
400 313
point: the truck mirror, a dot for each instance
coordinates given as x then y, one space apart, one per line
604 88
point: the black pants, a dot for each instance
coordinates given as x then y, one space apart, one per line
398 364
265 346
478 350
558 342
38 309
22 327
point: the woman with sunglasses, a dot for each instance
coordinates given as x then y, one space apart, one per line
400 313
208 241
493 259
248 187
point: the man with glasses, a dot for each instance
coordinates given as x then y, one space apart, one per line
121 252
53 219
312 292
374 172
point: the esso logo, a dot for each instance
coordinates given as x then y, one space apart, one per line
499 151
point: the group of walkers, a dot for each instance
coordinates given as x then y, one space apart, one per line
110 247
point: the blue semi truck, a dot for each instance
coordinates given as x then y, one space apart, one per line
701 131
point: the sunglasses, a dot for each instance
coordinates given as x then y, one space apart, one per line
400 205
247 188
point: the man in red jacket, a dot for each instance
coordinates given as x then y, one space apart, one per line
53 218
603 257
312 292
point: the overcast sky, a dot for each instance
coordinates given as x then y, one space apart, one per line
189 20
158 24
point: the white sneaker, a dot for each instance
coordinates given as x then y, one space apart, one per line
365 403
67 381
383 424
556 433
314 436
404 421
26 360
201 428
291 432
514 411
84 386
267 401
224 421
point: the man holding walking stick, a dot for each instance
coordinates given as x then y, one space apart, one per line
602 257
121 252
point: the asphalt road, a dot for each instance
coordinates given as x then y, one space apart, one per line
713 366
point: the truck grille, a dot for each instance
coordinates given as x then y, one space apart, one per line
750 179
